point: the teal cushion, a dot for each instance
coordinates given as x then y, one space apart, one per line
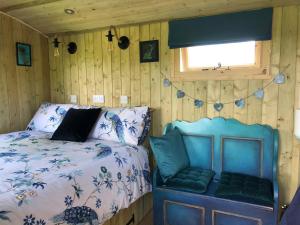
245 188
191 179
170 153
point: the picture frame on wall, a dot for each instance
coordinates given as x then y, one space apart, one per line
23 54
149 51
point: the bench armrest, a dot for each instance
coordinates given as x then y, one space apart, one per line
157 180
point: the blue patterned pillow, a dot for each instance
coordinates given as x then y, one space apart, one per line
125 125
48 117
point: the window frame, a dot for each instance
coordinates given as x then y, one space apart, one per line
260 70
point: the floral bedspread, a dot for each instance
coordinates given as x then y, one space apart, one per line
55 182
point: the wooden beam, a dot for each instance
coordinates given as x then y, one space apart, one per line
25 5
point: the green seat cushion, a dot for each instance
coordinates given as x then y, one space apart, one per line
170 153
191 179
245 188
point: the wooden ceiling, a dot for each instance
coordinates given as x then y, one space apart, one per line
48 15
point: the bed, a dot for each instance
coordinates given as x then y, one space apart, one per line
44 182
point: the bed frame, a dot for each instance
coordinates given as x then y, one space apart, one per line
135 214
221 145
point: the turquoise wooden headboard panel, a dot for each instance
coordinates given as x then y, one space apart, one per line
229 145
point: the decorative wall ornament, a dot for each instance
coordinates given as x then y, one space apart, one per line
149 51
218 106
259 93
167 82
279 78
198 103
23 53
180 94
240 103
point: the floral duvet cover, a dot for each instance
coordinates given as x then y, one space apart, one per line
44 182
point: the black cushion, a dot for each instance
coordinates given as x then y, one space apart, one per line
76 125
247 188
191 179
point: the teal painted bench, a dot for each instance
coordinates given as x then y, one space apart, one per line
244 189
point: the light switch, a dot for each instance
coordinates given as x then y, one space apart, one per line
124 100
73 99
98 98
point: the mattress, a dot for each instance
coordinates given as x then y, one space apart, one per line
44 182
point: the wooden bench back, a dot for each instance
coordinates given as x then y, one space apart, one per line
229 145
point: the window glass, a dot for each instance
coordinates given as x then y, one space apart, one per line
232 55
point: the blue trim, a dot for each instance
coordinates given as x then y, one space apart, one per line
275 176
226 28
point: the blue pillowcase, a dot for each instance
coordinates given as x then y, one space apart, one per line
48 117
170 153
124 125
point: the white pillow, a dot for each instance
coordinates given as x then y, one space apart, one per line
125 125
48 117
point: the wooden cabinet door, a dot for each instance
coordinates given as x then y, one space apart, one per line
177 213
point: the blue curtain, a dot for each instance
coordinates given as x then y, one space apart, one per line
226 28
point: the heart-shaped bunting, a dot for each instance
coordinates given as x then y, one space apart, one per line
240 103
180 94
279 78
167 82
218 106
259 94
198 103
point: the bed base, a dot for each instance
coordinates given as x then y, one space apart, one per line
135 214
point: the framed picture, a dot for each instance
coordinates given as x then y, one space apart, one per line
149 51
23 54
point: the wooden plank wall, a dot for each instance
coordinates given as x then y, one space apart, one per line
22 89
95 70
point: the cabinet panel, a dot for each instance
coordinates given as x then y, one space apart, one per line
177 213
226 218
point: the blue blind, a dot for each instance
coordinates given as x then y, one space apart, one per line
226 28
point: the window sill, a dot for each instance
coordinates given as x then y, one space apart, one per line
234 74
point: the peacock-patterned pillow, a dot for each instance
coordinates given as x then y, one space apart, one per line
48 117
125 125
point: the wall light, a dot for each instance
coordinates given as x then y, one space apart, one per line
123 42
56 46
72 47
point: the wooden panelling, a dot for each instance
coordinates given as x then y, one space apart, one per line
22 89
286 95
48 15
120 73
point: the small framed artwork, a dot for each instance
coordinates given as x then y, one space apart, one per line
149 51
23 54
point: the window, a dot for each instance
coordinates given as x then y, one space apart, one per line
210 56
243 60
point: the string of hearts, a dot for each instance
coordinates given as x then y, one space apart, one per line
278 79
